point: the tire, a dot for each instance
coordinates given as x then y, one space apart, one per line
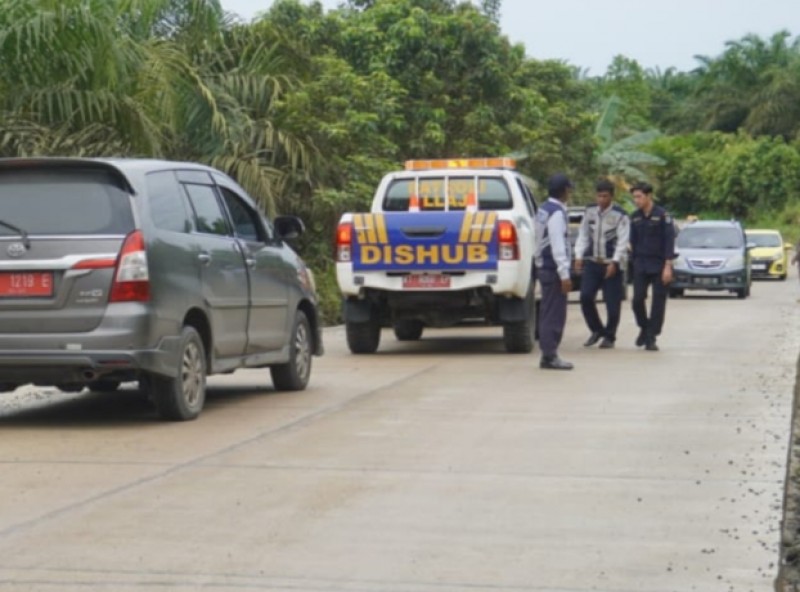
182 398
363 338
295 374
742 293
676 293
783 277
520 338
104 386
408 330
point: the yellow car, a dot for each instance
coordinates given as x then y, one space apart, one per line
769 254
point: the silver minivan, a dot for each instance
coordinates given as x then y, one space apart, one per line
116 270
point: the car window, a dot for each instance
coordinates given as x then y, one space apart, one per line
492 193
526 195
245 221
64 201
208 214
166 202
710 238
765 240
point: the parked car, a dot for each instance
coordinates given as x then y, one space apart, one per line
712 255
769 254
151 271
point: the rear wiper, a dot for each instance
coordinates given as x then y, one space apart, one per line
26 241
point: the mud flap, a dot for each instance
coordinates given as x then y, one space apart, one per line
357 311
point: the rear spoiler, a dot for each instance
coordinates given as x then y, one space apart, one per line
67 163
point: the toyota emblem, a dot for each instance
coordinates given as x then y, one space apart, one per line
16 250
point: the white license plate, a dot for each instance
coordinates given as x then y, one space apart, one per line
710 281
759 267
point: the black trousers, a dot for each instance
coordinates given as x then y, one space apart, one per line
592 281
642 280
552 312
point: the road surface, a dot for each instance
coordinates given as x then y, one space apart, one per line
445 465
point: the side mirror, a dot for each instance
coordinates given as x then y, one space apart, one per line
288 227
751 246
788 246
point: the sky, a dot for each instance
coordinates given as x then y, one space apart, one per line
589 33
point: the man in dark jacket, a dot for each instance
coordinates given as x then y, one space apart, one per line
652 250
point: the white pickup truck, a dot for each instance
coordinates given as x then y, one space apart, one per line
446 242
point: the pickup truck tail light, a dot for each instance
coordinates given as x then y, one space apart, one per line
508 245
132 276
344 242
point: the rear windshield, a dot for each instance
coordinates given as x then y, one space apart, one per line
710 238
64 202
764 240
492 193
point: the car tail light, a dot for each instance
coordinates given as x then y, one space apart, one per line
132 277
507 241
344 242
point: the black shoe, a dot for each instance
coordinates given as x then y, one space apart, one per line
595 337
554 363
651 345
641 341
607 343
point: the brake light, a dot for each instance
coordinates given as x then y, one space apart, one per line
507 241
132 276
344 242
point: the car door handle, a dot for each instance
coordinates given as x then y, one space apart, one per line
204 258
251 262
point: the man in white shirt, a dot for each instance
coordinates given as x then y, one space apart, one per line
553 261
600 254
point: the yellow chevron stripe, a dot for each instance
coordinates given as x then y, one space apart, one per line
488 227
380 222
477 227
358 222
372 237
466 226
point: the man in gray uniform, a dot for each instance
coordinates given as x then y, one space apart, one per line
553 261
600 254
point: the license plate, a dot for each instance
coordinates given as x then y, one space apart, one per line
428 281
711 281
759 267
26 284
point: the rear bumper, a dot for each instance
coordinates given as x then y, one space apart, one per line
768 269
48 367
728 280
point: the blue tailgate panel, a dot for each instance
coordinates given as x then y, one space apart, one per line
425 241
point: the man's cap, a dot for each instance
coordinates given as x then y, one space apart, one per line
557 183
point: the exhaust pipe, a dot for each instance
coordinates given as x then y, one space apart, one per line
89 375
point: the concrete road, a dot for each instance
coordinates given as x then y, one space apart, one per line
445 465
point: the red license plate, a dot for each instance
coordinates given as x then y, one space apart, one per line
26 284
428 281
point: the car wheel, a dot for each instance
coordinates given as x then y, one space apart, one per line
742 293
363 338
294 375
783 277
182 398
104 386
408 330
520 337
676 293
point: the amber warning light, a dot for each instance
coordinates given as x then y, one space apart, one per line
461 163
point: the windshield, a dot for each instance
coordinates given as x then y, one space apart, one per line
492 193
63 202
710 238
764 240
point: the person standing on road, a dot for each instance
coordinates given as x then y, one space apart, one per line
553 260
653 249
796 260
600 254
